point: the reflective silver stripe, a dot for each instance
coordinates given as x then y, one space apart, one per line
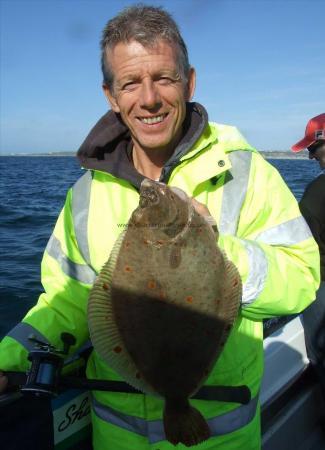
285 234
288 233
21 333
76 355
80 209
258 269
234 191
79 272
154 429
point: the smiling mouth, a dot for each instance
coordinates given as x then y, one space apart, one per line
153 120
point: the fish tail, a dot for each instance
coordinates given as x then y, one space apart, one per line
184 424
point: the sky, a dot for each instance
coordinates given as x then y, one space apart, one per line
260 66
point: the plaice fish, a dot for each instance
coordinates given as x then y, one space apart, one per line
163 305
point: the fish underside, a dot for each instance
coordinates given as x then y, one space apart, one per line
163 306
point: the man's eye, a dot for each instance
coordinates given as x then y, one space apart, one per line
130 86
165 81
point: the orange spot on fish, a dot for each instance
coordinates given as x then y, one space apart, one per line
189 299
151 284
160 242
105 286
127 269
162 295
145 241
235 283
127 244
117 349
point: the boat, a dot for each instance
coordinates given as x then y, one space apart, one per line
292 405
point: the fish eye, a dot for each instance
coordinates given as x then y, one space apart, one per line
152 195
148 197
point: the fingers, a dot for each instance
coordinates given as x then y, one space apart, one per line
181 194
205 213
200 208
3 382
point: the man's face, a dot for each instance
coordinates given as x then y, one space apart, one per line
150 93
318 152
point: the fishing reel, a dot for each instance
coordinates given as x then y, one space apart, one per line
46 364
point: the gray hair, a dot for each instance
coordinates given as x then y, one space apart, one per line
146 25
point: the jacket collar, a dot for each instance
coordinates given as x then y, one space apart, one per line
108 145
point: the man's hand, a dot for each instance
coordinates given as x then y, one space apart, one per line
3 382
205 213
200 208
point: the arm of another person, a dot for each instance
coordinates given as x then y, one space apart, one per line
312 207
67 280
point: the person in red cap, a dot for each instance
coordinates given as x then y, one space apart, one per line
314 140
312 206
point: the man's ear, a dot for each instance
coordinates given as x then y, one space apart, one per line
111 98
191 82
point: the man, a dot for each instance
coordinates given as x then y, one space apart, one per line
154 131
312 206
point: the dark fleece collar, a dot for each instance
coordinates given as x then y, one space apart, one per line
108 145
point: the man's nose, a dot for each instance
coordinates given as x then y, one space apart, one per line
150 96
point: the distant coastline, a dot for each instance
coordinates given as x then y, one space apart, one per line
284 155
40 154
272 154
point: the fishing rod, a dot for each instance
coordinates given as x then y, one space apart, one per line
44 378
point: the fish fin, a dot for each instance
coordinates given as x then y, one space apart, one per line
100 311
228 312
233 288
104 333
185 425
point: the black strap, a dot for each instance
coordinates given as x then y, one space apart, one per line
231 394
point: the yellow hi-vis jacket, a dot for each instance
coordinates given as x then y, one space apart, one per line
261 231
